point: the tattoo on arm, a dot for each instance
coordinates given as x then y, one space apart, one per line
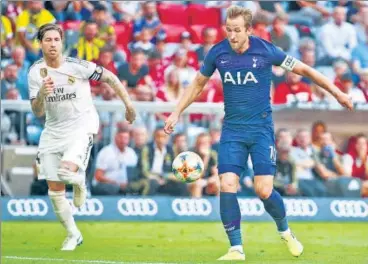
38 106
112 80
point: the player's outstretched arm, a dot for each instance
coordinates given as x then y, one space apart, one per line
194 89
38 103
114 82
321 80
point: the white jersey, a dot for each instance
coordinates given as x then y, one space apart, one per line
69 110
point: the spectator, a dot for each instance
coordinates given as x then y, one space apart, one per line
363 84
209 39
89 45
328 165
279 36
186 44
28 23
6 37
180 143
340 68
318 129
140 138
156 68
149 20
359 56
18 58
10 79
349 88
286 182
64 10
307 13
186 72
293 90
356 161
127 10
106 31
155 164
112 168
172 90
260 24
145 43
134 71
209 183
337 38
304 158
362 24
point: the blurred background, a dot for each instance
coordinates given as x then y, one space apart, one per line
155 49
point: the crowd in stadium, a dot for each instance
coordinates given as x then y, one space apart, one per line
155 49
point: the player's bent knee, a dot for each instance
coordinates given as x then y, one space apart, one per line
66 175
56 186
229 182
263 191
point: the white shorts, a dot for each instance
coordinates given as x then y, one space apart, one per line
77 152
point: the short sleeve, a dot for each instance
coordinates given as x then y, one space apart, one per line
102 159
85 69
33 84
209 64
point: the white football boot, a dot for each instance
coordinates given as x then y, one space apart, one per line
72 241
294 246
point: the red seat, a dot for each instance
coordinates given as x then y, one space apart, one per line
71 25
173 32
174 14
124 32
197 33
201 15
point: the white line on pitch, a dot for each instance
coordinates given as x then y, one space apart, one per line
81 261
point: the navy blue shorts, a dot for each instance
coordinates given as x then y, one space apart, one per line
257 142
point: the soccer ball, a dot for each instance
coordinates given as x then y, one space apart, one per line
188 166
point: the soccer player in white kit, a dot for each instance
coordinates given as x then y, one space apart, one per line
59 88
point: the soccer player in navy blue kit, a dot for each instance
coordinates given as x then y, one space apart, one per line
245 65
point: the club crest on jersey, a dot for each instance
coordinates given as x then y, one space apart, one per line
43 72
238 79
255 62
71 80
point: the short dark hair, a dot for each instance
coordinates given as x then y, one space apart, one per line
47 27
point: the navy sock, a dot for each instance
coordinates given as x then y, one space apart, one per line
231 217
274 205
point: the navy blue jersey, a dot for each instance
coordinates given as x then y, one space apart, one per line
246 79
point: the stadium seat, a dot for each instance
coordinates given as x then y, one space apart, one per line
173 32
124 33
197 36
173 14
201 15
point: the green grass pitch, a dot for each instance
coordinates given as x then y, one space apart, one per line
166 242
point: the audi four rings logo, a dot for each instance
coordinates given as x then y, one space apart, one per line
27 207
92 207
135 207
191 207
251 207
348 208
300 207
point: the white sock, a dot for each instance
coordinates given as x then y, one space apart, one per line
286 232
63 211
238 248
